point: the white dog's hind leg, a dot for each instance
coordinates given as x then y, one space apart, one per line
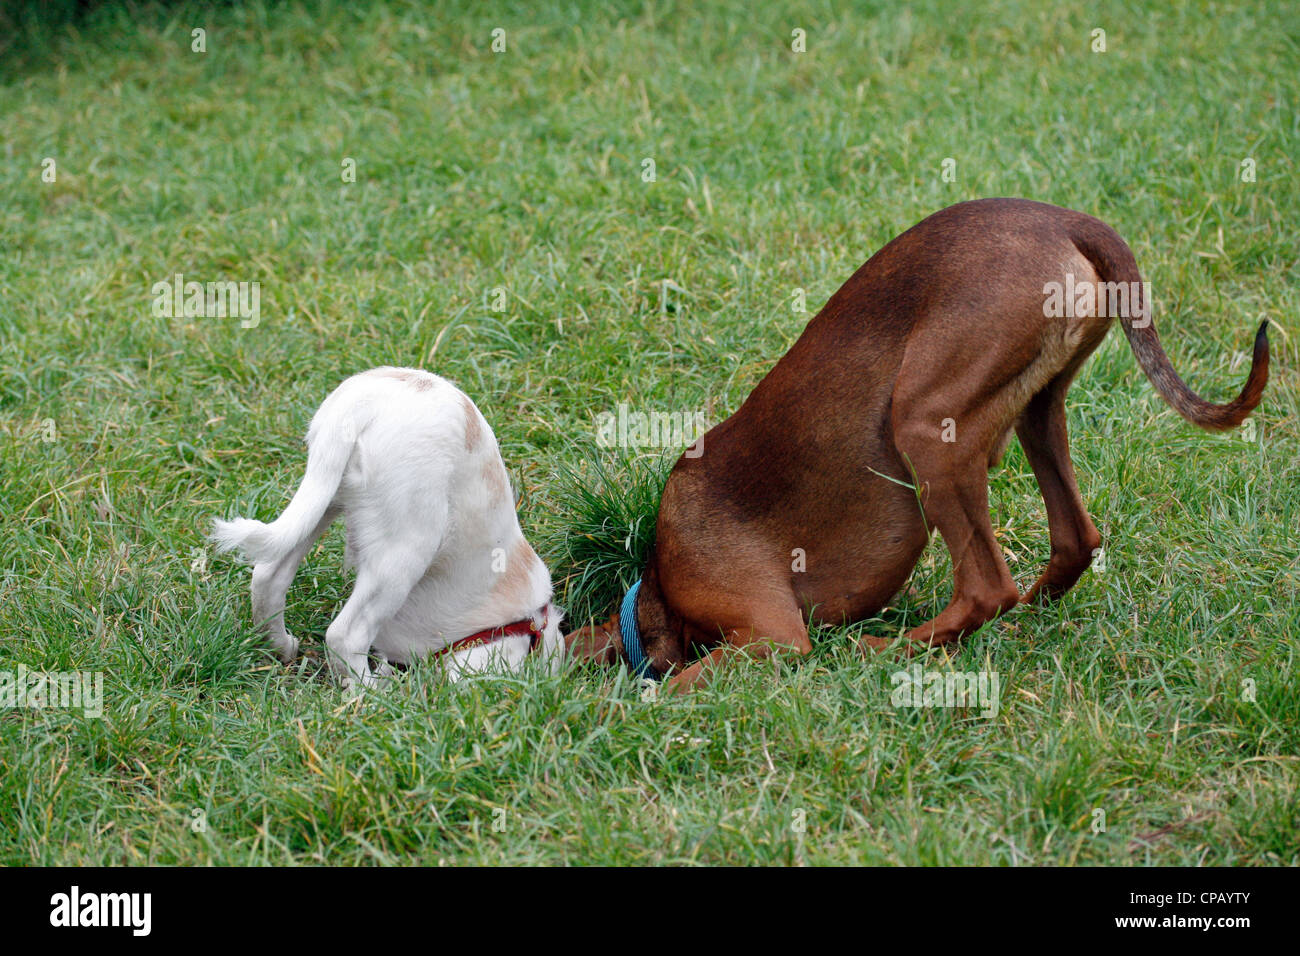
271 580
382 588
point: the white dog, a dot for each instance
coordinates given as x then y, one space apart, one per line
442 565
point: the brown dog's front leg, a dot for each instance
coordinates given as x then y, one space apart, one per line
599 642
783 632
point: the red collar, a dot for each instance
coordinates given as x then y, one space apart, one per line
493 634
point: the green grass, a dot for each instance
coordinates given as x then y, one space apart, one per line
776 171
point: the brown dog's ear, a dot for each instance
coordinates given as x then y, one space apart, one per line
602 643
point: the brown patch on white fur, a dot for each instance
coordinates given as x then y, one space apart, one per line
419 380
496 480
519 563
473 431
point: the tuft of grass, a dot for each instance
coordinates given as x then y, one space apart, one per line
605 512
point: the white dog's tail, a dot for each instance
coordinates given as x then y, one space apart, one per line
329 446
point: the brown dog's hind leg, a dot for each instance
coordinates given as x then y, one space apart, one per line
956 502
1074 537
945 427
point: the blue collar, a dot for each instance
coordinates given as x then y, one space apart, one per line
637 662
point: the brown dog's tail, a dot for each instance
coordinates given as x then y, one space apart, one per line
1114 262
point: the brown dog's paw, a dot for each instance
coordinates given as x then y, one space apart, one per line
869 644
600 642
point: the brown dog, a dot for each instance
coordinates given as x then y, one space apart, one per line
813 502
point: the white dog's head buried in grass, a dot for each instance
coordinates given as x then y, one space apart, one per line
442 566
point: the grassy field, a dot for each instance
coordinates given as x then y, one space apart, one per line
1161 692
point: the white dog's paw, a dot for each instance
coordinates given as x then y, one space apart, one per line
287 648
354 686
